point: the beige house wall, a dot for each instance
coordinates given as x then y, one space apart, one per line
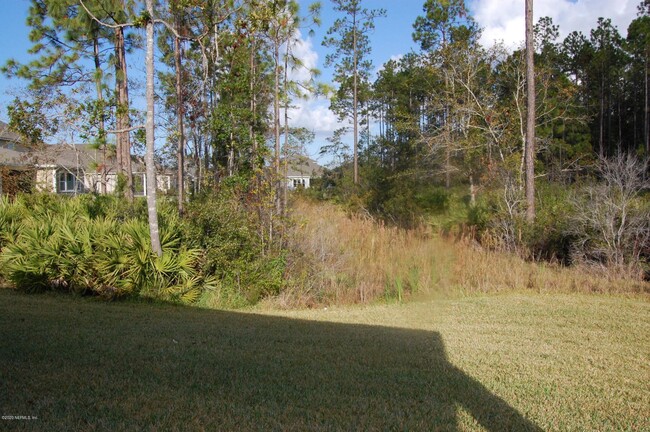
163 182
93 183
45 180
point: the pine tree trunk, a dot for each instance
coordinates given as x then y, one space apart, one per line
197 159
447 148
122 117
530 114
620 129
100 99
286 131
150 137
180 153
472 191
356 98
253 101
276 126
646 129
601 119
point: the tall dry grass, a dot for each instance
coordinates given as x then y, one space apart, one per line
480 270
354 259
339 258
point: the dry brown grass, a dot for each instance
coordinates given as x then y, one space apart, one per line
342 259
480 270
354 259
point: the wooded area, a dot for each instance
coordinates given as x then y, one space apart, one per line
475 257
439 129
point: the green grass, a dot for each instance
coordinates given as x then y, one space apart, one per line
503 362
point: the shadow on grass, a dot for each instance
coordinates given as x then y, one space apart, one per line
82 365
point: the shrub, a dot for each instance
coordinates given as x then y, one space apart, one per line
499 222
435 199
77 244
611 223
10 216
549 237
235 248
101 245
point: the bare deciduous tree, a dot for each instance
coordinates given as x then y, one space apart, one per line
612 224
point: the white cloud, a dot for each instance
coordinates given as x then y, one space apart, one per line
503 20
304 50
312 113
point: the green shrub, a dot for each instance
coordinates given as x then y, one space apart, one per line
78 244
101 245
10 217
478 216
235 249
434 199
549 238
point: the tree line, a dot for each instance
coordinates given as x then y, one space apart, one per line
222 83
452 115
457 108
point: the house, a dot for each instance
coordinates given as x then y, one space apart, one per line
15 170
71 168
11 149
300 172
80 168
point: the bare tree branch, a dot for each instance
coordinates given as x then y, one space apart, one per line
100 22
130 129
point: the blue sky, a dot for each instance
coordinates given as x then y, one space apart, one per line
15 35
501 20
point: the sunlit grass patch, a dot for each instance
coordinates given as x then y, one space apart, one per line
501 362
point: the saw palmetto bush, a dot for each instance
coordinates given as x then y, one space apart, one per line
96 245
10 217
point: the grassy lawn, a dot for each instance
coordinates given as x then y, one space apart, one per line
503 362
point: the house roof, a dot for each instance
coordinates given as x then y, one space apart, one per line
302 166
13 150
71 156
85 156
13 158
12 153
8 135
82 156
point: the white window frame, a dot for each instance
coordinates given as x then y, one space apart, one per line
63 179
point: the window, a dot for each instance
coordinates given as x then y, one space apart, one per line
298 183
139 184
67 182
